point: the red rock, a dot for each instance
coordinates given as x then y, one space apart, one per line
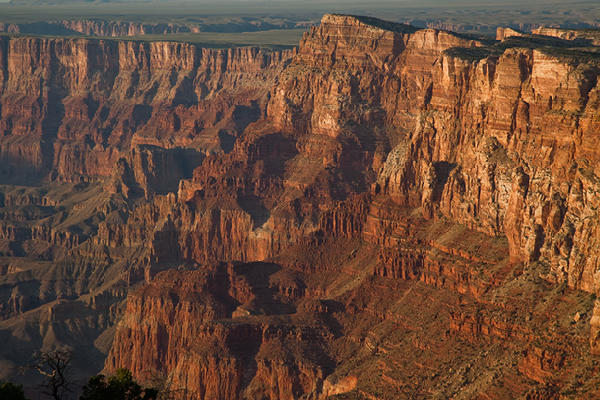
392 209
101 98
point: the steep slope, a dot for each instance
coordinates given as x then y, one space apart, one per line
74 107
91 130
415 217
389 212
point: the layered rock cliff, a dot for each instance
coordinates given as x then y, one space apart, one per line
389 212
414 199
111 28
72 108
585 36
502 144
92 129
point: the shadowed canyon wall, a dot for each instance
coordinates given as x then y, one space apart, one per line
74 107
387 212
90 129
395 155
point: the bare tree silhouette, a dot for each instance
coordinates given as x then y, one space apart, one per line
54 367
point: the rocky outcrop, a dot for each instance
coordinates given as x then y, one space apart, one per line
583 36
312 327
471 134
376 214
227 356
118 28
506 32
73 107
111 28
396 169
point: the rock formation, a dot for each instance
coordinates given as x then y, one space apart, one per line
587 36
111 28
74 107
389 212
443 161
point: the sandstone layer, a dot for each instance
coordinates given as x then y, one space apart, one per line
90 130
424 202
111 28
73 108
389 212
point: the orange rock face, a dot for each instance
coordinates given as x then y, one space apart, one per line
392 175
74 107
582 35
387 213
470 134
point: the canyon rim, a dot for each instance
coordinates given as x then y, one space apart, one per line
382 212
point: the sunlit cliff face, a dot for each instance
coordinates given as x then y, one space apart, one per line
389 212
389 170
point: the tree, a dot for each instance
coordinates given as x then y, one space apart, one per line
10 391
54 368
119 386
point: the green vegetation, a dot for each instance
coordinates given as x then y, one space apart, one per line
119 386
469 53
573 56
10 391
485 39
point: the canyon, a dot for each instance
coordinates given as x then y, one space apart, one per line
112 28
383 212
